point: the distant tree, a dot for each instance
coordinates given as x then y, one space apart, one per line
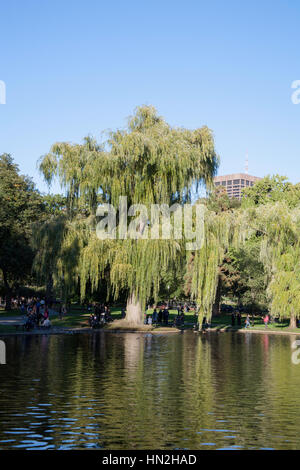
271 189
219 201
280 249
55 204
230 278
285 286
20 206
250 287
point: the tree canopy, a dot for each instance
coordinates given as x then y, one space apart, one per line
20 206
148 162
249 251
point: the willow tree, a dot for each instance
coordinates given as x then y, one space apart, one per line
58 249
221 231
149 162
279 226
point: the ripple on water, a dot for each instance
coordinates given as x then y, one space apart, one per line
143 392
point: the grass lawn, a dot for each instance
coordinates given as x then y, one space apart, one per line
224 321
7 329
78 317
10 313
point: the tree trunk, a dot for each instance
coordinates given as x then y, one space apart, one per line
216 305
293 322
49 287
8 292
8 302
134 314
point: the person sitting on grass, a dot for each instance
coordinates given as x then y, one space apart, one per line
29 323
22 309
46 323
102 319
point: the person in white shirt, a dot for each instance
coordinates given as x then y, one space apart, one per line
47 323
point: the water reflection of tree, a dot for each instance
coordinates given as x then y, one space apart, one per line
143 391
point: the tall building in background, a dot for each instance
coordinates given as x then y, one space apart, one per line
235 183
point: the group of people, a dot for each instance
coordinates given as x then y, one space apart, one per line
236 318
162 316
35 313
99 315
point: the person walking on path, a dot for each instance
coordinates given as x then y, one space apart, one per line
247 322
64 310
266 320
166 316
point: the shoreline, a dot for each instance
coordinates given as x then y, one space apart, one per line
248 330
163 330
72 331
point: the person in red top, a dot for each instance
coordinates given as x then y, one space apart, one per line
46 313
266 320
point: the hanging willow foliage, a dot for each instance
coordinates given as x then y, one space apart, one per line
221 231
277 227
280 250
152 162
149 162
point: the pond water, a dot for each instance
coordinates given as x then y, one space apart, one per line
137 391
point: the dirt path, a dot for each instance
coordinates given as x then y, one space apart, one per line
17 319
11 320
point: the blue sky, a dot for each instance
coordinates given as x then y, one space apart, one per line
74 68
